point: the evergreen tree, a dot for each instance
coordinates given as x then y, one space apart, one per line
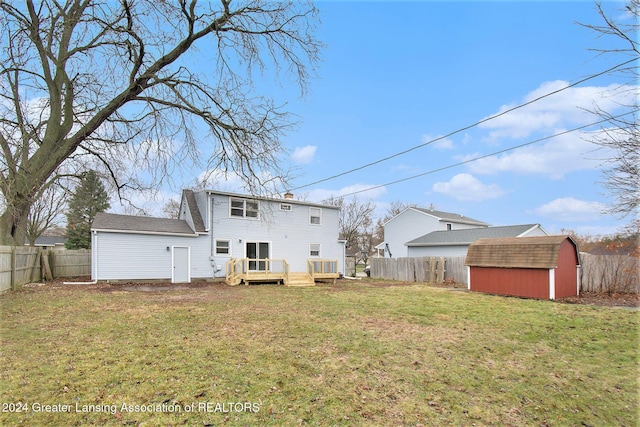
89 198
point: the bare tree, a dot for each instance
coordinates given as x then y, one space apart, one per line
46 212
355 219
108 83
171 208
621 136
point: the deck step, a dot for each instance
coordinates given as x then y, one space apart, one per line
300 279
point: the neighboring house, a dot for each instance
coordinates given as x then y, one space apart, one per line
50 242
455 243
222 235
414 222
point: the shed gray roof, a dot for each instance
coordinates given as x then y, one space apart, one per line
518 252
145 224
451 217
469 235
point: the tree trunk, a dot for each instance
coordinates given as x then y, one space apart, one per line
13 224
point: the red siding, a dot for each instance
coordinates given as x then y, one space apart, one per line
521 282
566 274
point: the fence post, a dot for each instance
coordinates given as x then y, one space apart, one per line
441 270
14 267
45 266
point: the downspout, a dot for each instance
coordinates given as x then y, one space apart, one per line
214 263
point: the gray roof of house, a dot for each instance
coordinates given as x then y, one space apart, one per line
49 241
469 235
146 224
451 217
195 212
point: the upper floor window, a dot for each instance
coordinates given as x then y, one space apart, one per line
285 207
448 226
243 208
315 216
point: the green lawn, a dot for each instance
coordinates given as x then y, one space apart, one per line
344 354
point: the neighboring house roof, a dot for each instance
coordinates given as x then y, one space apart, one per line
445 216
516 252
140 224
50 241
469 235
195 212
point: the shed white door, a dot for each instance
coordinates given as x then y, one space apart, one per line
181 269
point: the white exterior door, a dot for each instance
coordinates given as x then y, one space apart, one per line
181 264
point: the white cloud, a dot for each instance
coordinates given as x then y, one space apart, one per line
568 108
441 144
466 187
569 209
555 158
304 155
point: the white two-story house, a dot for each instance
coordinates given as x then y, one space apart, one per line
414 222
238 237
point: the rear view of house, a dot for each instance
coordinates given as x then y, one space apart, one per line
221 235
544 267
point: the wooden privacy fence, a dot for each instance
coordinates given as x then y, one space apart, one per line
74 263
18 266
24 264
455 270
409 269
600 273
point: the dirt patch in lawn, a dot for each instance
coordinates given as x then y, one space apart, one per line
220 290
605 299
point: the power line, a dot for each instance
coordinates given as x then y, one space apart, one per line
489 155
400 153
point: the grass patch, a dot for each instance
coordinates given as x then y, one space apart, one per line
345 354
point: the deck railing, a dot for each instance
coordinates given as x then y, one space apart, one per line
256 268
322 267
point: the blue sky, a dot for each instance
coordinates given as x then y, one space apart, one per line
395 75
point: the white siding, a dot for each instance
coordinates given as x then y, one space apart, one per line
407 226
537 231
446 251
122 256
288 233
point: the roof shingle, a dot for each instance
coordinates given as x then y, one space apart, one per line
469 235
516 252
116 222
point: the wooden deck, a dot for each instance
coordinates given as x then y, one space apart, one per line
248 271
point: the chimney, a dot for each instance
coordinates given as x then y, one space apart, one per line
288 195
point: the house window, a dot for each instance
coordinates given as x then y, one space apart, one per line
242 208
315 216
223 247
448 226
314 249
285 207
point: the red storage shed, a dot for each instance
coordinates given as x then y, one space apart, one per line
544 267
